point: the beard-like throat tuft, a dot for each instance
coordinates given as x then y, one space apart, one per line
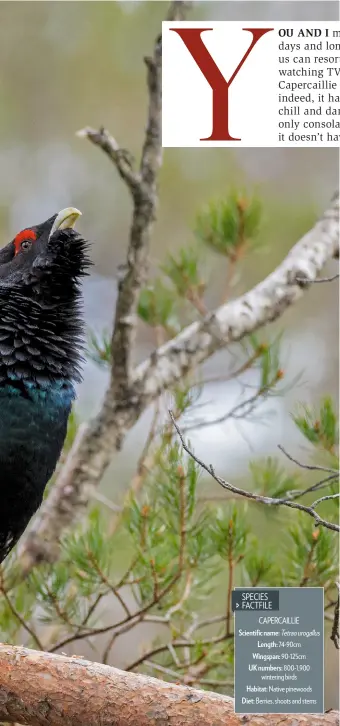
41 320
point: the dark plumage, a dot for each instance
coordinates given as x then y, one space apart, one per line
41 334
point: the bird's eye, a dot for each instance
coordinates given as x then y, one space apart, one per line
26 245
23 241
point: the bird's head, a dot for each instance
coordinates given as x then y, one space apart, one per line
40 302
51 250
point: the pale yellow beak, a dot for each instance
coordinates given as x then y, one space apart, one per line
66 219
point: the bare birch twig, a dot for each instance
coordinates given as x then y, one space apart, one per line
282 501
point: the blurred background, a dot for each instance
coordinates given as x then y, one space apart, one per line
65 65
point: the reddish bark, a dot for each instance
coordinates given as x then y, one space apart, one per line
38 688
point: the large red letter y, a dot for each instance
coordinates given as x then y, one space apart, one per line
220 87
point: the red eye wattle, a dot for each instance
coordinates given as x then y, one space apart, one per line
25 234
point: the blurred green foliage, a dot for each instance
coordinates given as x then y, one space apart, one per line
230 224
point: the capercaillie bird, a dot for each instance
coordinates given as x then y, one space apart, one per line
41 341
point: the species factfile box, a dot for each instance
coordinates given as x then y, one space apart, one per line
279 650
251 84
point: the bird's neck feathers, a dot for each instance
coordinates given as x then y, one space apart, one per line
41 336
41 326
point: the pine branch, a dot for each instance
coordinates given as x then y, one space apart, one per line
39 688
